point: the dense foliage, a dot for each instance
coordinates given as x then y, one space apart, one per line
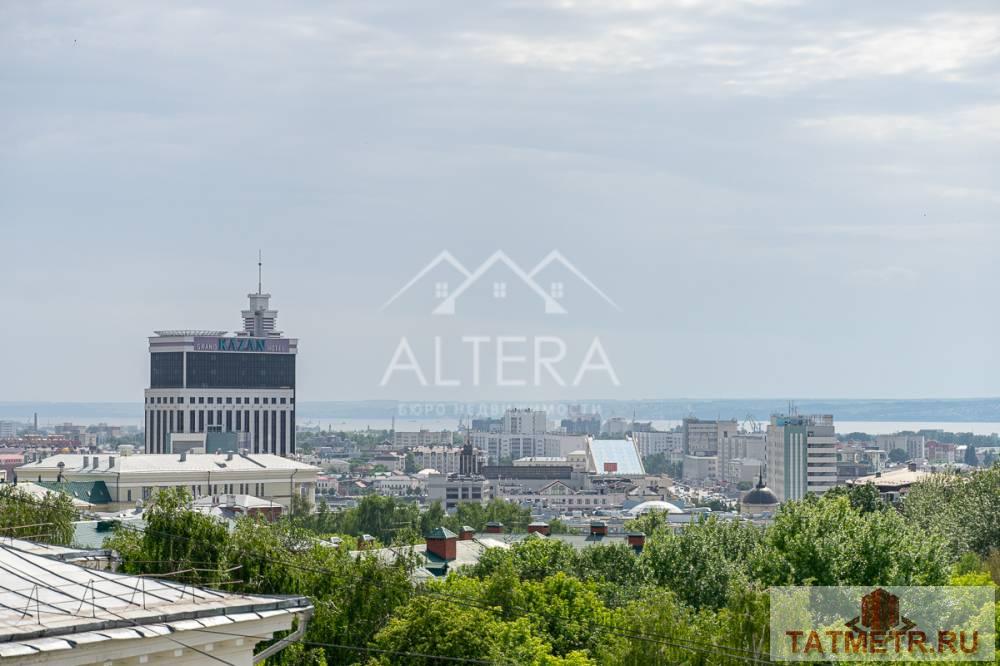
694 596
48 519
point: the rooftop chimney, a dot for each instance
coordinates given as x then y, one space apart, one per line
86 462
442 542
539 528
184 455
95 462
365 541
598 528
912 466
494 527
466 533
636 540
111 462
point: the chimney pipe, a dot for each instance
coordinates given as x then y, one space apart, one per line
111 462
637 540
539 528
86 462
442 543
95 462
598 529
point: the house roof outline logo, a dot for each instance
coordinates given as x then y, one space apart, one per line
552 306
880 613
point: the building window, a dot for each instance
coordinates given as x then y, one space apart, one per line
499 290
201 400
211 401
556 290
441 290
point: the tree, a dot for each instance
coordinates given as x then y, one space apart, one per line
410 464
48 519
898 456
970 456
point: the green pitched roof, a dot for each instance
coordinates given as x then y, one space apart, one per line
95 492
442 533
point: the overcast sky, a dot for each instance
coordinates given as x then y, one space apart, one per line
784 199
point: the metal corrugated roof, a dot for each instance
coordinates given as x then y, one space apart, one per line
616 456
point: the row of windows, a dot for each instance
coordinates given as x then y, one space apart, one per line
272 431
240 370
221 370
256 489
169 400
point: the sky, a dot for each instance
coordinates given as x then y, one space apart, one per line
777 198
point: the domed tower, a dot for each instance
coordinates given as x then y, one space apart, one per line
759 500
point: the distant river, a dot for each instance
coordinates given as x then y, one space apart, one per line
870 427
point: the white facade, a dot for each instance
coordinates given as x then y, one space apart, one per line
445 459
524 422
706 438
557 446
801 455
742 445
617 426
914 445
402 439
700 468
656 442
131 479
8 429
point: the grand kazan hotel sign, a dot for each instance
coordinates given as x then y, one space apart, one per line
241 344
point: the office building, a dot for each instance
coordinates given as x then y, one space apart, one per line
209 381
801 455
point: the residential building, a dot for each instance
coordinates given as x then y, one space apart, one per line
914 445
557 445
121 481
582 424
801 455
700 467
402 439
445 459
741 445
617 426
705 438
8 429
204 381
522 435
655 442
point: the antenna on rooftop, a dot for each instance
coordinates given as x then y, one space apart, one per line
259 264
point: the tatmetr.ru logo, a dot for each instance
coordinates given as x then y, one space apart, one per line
894 624
499 294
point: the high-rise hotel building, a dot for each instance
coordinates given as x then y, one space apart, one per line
210 381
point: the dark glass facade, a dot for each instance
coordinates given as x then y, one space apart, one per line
166 370
240 370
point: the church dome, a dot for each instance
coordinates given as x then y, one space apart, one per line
759 496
